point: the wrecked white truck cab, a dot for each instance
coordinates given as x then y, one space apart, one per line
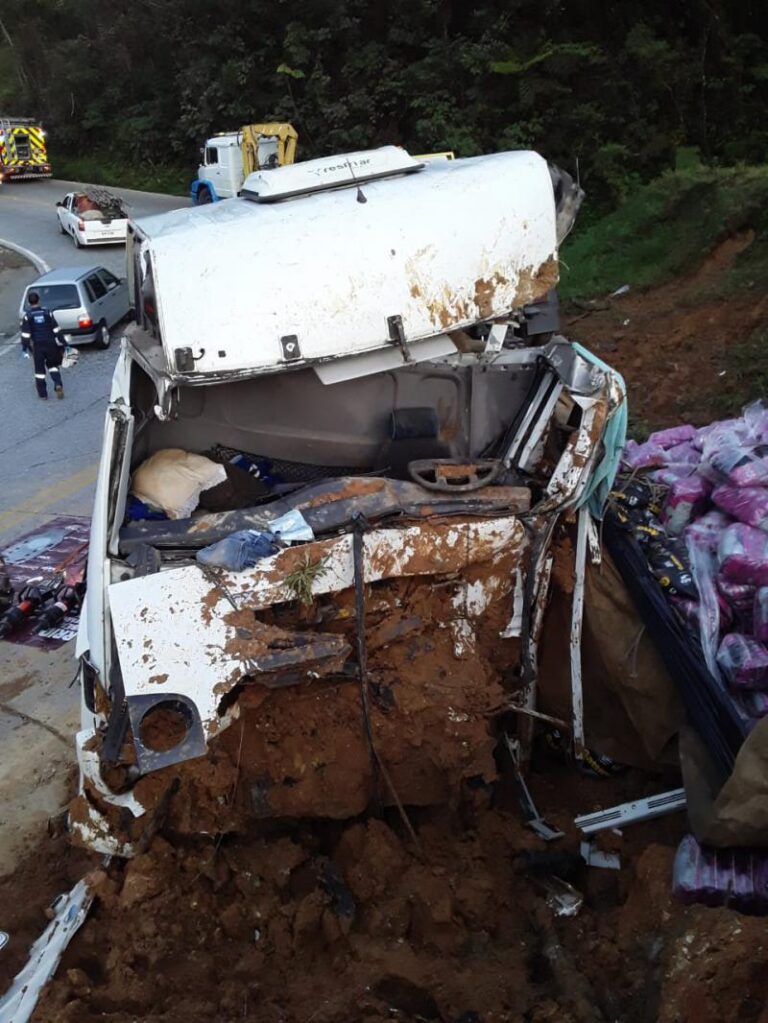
373 338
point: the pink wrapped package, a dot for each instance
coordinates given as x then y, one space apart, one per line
686 499
729 464
742 467
683 454
760 615
738 595
727 433
710 437
643 456
706 531
752 470
756 418
674 435
743 555
747 504
743 661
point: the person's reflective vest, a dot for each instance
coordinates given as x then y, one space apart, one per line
38 327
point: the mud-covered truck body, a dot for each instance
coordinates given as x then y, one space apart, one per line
344 346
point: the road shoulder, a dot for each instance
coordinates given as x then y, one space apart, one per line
17 270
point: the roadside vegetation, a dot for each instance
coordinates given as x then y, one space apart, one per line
691 334
613 89
667 228
99 169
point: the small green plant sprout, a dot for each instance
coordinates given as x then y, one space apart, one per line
299 582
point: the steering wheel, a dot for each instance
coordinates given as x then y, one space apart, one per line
454 475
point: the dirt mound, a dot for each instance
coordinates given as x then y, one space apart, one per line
328 924
334 922
672 343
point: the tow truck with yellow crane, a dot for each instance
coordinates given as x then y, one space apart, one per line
229 157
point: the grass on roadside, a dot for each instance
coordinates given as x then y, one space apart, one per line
98 170
666 228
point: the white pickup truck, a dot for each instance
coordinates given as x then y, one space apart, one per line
95 217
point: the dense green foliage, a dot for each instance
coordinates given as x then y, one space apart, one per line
101 168
665 228
617 86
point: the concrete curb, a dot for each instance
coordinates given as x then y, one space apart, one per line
40 264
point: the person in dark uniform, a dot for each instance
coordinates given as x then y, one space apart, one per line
41 333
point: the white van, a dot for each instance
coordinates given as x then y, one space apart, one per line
353 331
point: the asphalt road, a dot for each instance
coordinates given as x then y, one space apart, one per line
49 450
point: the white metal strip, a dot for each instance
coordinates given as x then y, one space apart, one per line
632 813
544 420
577 616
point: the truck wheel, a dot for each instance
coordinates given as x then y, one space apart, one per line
102 337
61 228
203 196
75 239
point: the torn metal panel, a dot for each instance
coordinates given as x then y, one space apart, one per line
394 628
594 857
327 505
532 816
514 627
571 475
593 540
534 415
175 631
69 913
532 449
541 598
88 762
577 617
93 830
574 371
536 582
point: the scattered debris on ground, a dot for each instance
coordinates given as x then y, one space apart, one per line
340 921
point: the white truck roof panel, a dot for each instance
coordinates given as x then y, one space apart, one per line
328 172
260 287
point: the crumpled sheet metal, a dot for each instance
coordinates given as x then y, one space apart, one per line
327 505
172 631
573 472
18 1003
89 826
